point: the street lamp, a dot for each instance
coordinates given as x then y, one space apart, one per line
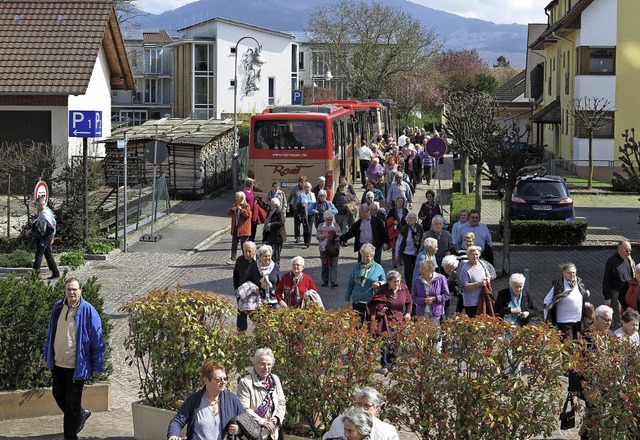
327 77
257 59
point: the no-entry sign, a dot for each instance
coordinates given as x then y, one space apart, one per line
436 147
41 190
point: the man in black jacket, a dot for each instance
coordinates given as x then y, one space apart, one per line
368 230
239 271
617 272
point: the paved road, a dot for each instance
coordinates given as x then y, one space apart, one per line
186 256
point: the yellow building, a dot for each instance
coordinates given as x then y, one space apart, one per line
592 50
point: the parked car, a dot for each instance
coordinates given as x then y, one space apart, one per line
541 198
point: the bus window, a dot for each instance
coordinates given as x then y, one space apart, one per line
290 135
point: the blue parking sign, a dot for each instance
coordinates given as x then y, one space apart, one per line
296 97
85 123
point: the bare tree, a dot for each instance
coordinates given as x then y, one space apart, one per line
128 12
368 43
631 158
591 115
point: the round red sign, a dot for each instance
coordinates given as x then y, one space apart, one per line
41 190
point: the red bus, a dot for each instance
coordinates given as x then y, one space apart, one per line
372 116
286 142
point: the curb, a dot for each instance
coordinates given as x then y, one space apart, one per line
210 240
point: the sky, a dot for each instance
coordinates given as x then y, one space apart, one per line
497 11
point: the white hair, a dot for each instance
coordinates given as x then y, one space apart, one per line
517 278
263 352
298 259
450 261
361 419
370 393
430 243
276 201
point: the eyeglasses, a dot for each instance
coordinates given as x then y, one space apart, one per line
605 319
220 379
365 406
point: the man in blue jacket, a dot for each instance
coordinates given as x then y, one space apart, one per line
74 352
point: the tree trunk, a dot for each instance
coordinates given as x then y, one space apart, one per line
506 231
478 188
464 173
590 178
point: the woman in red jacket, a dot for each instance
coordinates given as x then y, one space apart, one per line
240 214
293 285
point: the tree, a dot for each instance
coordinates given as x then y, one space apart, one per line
486 82
368 43
631 159
502 62
459 69
591 115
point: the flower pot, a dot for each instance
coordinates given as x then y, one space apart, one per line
150 423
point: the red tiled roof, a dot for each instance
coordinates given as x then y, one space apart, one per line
156 37
51 46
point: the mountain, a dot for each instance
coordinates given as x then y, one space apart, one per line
490 39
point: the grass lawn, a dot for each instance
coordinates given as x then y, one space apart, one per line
580 182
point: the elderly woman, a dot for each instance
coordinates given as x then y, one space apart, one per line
463 217
321 206
366 276
374 169
390 167
240 213
390 306
430 248
449 269
305 212
274 232
264 273
328 235
429 209
250 195
208 413
430 292
567 301
469 239
293 285
629 330
372 194
369 400
396 220
358 424
408 245
261 394
474 276
341 201
513 303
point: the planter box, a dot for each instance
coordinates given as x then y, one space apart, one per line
150 423
39 402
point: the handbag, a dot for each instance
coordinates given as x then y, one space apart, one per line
249 428
568 416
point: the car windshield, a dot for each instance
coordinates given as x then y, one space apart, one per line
542 190
290 135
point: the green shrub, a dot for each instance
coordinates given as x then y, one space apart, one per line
548 232
100 247
471 387
321 356
461 201
25 312
10 244
620 183
17 258
455 187
72 259
171 335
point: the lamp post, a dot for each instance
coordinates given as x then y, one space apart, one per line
327 77
258 60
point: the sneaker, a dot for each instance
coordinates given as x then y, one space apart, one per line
86 413
231 261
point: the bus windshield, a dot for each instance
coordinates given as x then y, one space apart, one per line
296 134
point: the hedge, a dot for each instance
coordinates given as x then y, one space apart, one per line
455 187
461 201
25 311
547 232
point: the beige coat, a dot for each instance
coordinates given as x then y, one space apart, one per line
252 392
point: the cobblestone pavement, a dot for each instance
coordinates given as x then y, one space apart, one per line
192 254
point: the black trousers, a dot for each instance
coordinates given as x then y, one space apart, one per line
47 252
68 395
364 164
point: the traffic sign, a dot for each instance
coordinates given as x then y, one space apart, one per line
160 154
296 97
85 124
436 147
41 190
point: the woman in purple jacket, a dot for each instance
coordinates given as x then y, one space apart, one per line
429 292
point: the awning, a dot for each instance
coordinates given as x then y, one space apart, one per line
549 114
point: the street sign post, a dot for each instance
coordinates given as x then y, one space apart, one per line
85 123
41 190
296 97
436 147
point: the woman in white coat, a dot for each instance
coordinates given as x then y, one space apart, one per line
260 392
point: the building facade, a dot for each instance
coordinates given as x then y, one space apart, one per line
591 49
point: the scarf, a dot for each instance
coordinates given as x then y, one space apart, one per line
267 226
265 271
417 239
513 303
294 295
361 275
267 403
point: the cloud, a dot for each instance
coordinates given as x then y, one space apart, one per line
497 11
159 6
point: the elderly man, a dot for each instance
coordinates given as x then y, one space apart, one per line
42 234
322 185
365 155
399 188
481 232
618 270
368 230
74 352
239 271
443 236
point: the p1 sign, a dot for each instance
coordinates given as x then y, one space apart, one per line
85 124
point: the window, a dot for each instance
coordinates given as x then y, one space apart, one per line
294 58
606 132
596 61
290 135
272 91
203 58
133 117
152 91
301 61
152 60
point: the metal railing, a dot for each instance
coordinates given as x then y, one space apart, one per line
603 169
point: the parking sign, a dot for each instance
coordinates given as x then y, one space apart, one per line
85 123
